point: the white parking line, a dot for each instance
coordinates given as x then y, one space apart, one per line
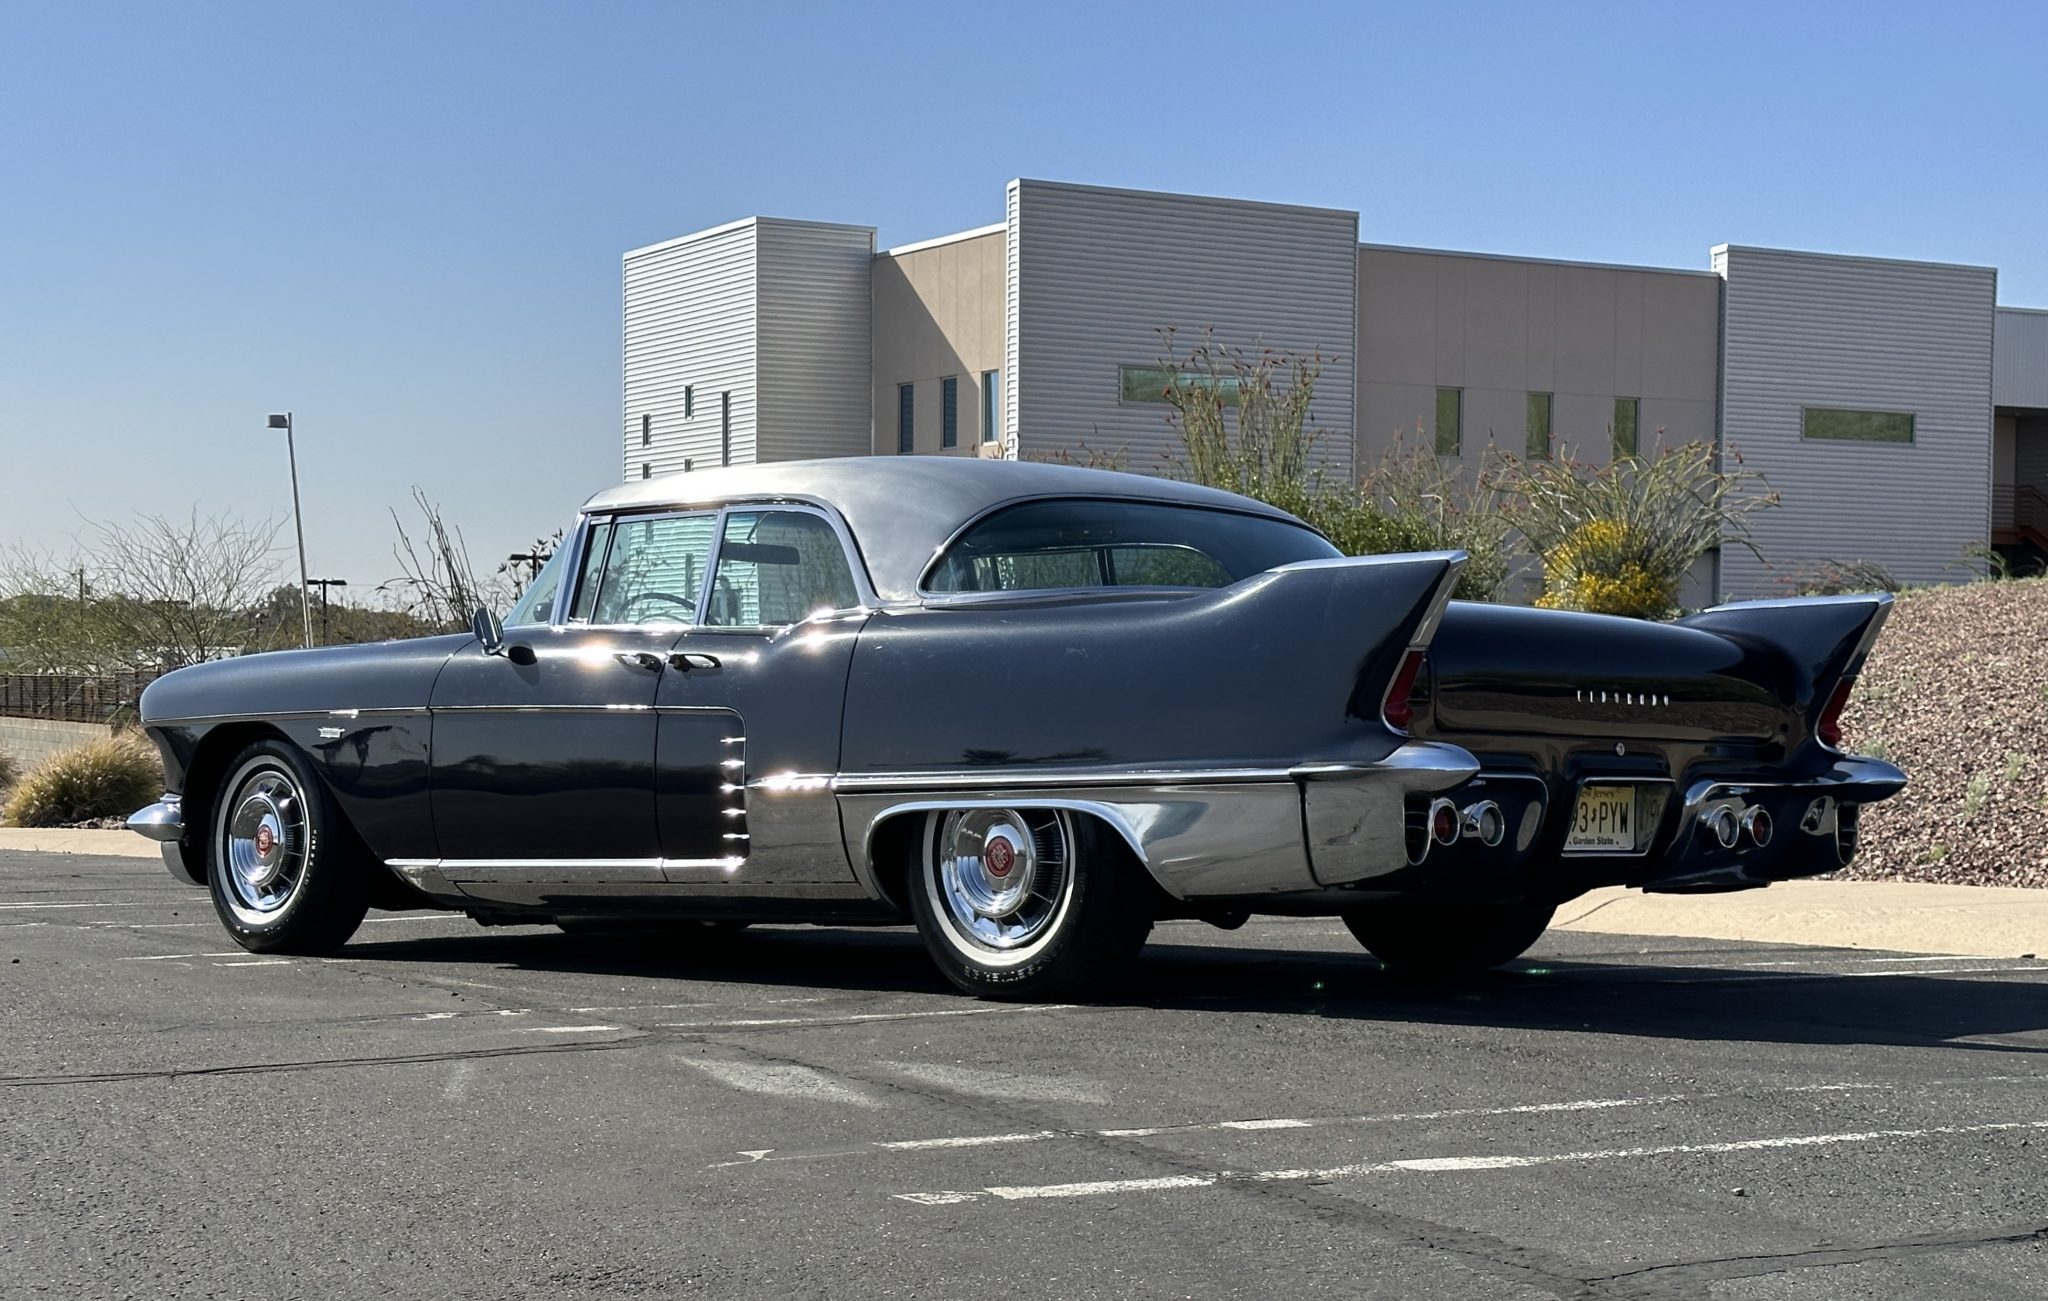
183 957
257 962
853 1018
1449 1164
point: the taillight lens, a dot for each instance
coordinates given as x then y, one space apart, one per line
1829 728
1396 708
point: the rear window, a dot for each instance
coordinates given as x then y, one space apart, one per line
1059 544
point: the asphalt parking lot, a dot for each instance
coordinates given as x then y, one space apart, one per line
448 1111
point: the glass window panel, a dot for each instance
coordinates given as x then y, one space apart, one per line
1450 420
536 605
906 412
654 570
1149 383
593 566
778 567
1055 544
1627 412
1858 426
1537 443
949 412
991 405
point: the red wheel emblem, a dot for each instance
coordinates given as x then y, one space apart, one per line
266 840
1000 855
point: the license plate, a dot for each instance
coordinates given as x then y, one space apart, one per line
1604 821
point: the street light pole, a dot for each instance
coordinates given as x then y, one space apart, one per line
284 422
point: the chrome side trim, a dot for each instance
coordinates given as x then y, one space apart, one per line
273 716
569 869
1016 779
161 821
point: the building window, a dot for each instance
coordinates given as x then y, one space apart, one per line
689 400
1150 383
906 418
646 430
1450 420
949 412
725 428
1837 424
991 405
1537 444
646 470
1628 413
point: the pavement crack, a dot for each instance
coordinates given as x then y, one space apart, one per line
316 1064
1726 1268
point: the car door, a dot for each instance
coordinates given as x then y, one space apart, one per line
543 762
750 707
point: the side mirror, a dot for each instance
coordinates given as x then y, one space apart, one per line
488 630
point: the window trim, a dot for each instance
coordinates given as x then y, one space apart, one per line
1912 419
927 596
863 589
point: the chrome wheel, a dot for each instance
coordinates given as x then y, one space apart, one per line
263 843
1001 880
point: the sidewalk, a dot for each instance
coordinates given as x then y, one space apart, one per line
1978 921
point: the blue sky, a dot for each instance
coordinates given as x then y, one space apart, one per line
404 221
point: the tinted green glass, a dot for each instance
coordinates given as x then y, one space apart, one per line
1149 384
1450 420
1627 414
1538 442
1858 426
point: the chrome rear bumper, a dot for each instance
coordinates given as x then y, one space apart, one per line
163 820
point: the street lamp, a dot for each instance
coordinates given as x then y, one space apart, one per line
284 421
323 584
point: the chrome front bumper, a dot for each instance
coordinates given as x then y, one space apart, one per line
163 820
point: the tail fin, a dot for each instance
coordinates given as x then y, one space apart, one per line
1823 640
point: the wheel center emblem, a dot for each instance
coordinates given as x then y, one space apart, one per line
266 840
1000 856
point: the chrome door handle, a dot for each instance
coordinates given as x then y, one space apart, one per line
640 660
684 661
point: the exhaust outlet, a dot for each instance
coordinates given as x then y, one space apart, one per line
1756 826
1444 822
1484 822
1722 824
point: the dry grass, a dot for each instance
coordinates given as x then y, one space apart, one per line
1956 693
108 778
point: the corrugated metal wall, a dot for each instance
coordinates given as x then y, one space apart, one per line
2019 370
1808 330
814 321
1095 274
690 320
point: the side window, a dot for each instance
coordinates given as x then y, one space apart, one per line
651 572
593 566
778 567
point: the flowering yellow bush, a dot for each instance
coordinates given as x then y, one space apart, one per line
1599 568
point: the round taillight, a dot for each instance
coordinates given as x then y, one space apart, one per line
1443 823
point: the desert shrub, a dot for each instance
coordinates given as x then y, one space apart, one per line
1619 538
1839 577
9 771
1410 501
105 778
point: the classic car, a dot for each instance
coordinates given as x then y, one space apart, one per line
1029 708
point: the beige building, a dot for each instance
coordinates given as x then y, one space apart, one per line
1863 389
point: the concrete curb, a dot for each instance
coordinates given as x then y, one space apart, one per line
64 840
1898 916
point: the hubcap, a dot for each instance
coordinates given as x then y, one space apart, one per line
263 844
1003 876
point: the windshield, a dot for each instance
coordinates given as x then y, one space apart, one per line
1060 544
537 603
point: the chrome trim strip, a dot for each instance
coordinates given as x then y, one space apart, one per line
1012 779
579 866
161 821
282 714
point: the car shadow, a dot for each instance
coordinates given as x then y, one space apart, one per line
1640 997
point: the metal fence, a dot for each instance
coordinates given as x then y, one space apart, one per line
74 697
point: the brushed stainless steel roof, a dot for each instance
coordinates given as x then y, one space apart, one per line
901 509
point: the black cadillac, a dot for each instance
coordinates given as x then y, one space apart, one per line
1030 708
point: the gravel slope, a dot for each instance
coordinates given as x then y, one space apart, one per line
1956 693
